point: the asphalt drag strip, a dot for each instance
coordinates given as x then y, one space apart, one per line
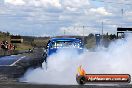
15 66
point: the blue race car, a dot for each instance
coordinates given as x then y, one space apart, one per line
57 43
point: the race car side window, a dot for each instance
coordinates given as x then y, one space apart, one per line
53 45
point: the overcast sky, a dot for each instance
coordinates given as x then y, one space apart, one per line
52 17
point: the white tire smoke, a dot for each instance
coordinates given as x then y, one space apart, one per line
62 66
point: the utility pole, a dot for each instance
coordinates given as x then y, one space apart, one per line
64 31
83 31
102 24
122 12
83 34
102 29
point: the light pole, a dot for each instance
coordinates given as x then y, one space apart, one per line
102 29
64 32
83 33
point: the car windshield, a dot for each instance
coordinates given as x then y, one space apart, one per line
66 44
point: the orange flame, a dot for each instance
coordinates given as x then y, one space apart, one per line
81 71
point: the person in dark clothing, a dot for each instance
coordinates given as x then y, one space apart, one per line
4 46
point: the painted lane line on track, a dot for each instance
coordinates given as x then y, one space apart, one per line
17 61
